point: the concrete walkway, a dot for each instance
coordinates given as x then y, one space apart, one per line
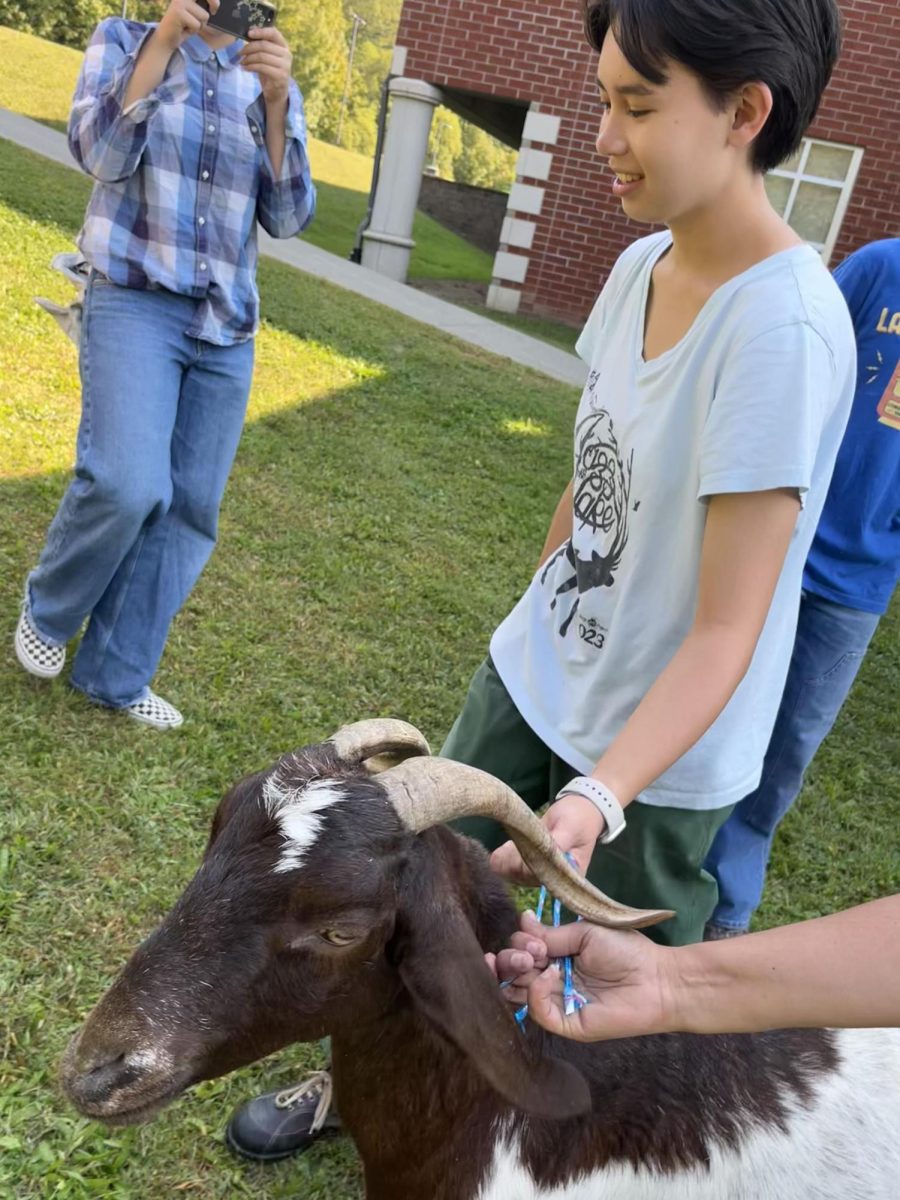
419 306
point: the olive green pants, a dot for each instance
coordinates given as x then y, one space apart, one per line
657 862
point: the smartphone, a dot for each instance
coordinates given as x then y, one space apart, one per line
238 17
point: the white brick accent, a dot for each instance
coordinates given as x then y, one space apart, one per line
517 233
513 267
541 127
398 60
503 299
526 198
534 164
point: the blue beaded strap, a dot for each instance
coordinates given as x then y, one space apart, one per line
572 998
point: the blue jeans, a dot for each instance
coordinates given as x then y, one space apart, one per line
161 418
830 644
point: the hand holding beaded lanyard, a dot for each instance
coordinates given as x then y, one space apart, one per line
572 998
611 810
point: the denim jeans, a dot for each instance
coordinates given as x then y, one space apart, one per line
161 418
830 644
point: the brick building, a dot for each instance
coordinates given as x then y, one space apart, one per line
524 72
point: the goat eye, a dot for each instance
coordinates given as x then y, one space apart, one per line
334 937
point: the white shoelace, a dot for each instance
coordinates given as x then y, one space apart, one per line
319 1081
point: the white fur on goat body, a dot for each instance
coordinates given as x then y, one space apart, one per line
298 811
842 1145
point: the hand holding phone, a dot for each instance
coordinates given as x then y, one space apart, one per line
268 56
183 18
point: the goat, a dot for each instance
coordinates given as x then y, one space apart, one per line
331 900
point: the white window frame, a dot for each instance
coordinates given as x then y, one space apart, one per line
798 175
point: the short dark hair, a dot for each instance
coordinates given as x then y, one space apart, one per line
791 45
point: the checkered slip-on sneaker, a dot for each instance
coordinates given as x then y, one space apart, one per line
37 656
155 712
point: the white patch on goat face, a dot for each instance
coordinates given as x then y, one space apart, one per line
299 813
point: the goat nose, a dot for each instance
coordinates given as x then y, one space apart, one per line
95 1076
100 1081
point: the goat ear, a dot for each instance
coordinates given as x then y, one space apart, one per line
443 968
231 802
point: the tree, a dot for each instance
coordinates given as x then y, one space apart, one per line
68 22
370 68
381 17
316 31
483 161
371 65
445 143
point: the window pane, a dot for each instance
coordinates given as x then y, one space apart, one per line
828 162
778 189
814 210
792 163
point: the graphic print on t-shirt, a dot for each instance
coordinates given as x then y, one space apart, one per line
601 494
889 406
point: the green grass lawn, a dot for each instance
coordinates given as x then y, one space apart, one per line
390 496
563 336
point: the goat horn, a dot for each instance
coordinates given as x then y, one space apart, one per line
371 739
428 791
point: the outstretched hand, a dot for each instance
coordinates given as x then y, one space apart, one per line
621 973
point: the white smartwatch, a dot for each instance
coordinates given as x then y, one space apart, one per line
603 798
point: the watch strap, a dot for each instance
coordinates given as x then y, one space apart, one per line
603 798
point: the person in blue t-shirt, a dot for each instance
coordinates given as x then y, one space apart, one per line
850 575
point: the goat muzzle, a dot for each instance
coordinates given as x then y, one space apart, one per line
119 1085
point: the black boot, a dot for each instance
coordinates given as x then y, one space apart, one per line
285 1122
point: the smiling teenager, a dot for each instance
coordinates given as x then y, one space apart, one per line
637 680
635 684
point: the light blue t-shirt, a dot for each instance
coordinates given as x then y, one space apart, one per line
755 396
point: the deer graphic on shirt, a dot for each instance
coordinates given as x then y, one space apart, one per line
601 493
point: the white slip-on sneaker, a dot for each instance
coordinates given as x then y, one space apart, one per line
36 655
155 712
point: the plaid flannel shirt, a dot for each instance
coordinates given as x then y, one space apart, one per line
183 175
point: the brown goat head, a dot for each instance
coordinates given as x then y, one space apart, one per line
314 911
